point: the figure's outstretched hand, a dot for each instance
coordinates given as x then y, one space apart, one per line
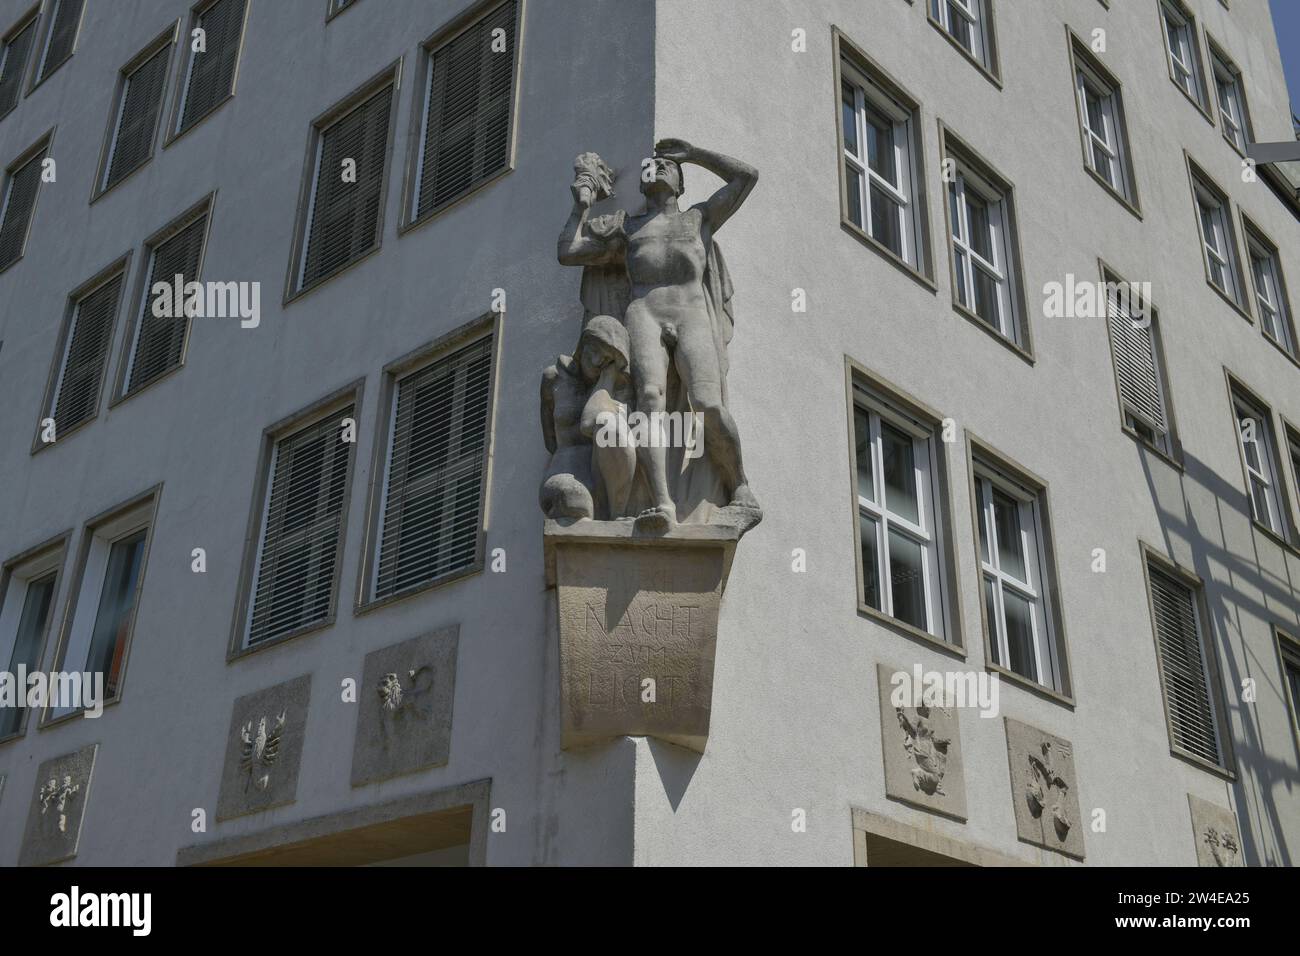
678 150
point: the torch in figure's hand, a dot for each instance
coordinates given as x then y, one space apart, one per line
593 180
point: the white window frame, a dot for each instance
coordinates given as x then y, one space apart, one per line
1232 110
926 531
20 574
974 14
1265 471
999 242
1218 243
902 194
1181 51
1033 548
1110 138
1274 319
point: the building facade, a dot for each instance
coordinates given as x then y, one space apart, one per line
1014 364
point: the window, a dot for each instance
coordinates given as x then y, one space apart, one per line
210 72
433 486
64 19
1232 100
345 202
338 6
1139 368
1289 653
301 528
1021 631
899 524
1184 670
1255 439
17 47
981 221
22 183
27 591
1270 297
139 104
1183 50
97 633
1293 443
883 192
468 104
1101 121
159 340
74 396
1218 241
969 24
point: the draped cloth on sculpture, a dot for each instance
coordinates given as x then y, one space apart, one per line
606 290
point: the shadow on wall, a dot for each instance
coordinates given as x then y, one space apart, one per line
1199 512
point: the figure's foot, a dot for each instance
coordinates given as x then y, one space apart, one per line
656 520
743 511
742 497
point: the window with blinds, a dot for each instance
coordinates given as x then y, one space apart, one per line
13 63
344 215
62 36
434 482
210 74
465 135
293 579
1183 671
138 108
21 187
81 371
1137 366
160 340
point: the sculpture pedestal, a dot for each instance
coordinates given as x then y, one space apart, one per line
638 625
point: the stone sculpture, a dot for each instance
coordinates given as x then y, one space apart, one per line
260 750
60 794
1046 786
57 794
921 748
1214 827
1044 789
657 321
928 750
264 749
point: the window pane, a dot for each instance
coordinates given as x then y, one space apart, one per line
869 531
907 579
960 27
880 146
991 616
1006 517
853 183
1103 164
27 645
1020 634
900 472
984 531
1259 502
862 444
849 118
885 220
981 233
108 640
986 298
959 266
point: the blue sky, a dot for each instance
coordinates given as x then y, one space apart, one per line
1286 20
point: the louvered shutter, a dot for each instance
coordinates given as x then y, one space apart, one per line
1182 665
19 200
77 395
161 340
1135 367
299 551
467 126
141 102
345 215
63 32
212 72
436 468
14 66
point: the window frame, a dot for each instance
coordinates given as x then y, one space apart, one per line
1221 63
1287 645
45 32
181 82
1090 73
147 52
1257 241
389 76
1246 403
30 565
30 17
410 217
867 391
121 521
1153 557
140 299
979 14
1013 329
1206 192
349 395
121 266
335 7
44 144
853 68
487 325
985 463
1195 70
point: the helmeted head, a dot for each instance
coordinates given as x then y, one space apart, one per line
667 175
603 342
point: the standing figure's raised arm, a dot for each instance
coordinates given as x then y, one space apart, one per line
740 177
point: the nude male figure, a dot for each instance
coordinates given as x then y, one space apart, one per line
665 251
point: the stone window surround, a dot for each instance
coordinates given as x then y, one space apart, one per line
992 70
1239 393
1083 61
44 143
181 81
51 554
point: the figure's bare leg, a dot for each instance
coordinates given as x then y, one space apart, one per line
650 377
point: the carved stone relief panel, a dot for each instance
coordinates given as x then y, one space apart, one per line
922 751
405 707
1044 789
264 749
58 806
1218 841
